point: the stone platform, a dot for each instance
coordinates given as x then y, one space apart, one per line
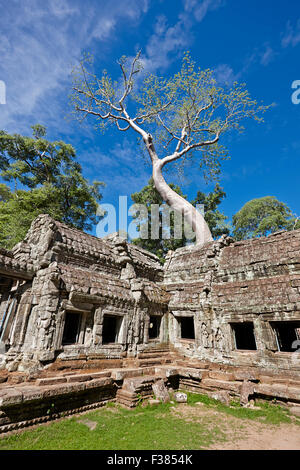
26 400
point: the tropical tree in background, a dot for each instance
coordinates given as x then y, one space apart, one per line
218 222
262 216
176 119
165 241
51 182
149 196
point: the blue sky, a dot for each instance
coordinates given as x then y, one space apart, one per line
256 42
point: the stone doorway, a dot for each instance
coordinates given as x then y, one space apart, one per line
154 327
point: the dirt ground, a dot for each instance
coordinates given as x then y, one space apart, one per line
243 434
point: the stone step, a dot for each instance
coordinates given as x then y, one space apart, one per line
158 349
135 389
155 351
124 373
287 392
213 384
146 354
154 361
191 364
71 378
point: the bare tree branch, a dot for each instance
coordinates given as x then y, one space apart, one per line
177 155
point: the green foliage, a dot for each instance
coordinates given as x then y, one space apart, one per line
34 160
149 195
55 181
215 219
262 216
186 114
20 209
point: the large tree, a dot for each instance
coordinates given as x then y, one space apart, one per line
262 216
167 240
34 160
216 220
51 182
176 118
19 208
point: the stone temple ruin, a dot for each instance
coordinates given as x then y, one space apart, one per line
85 320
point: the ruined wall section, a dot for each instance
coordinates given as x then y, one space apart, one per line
189 274
225 283
258 281
96 281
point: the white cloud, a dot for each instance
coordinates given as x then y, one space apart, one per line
169 41
224 74
291 36
124 168
165 41
267 56
39 41
200 9
61 8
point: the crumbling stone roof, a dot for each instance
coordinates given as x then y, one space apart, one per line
14 268
94 283
156 293
48 241
144 258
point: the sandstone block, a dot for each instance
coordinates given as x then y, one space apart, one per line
10 397
222 384
78 378
247 389
295 410
222 395
50 381
219 375
180 397
153 402
160 391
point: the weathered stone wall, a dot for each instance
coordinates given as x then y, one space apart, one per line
68 272
225 283
58 271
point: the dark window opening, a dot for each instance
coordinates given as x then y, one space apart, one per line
71 328
187 327
154 327
287 335
111 327
244 335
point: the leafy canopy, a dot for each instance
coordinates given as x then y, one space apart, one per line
262 216
53 183
34 160
216 220
149 195
185 115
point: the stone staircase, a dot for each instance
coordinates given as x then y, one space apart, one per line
136 389
155 355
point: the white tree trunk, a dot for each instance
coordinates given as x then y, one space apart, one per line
178 203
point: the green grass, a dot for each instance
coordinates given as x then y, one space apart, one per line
142 428
153 428
269 413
